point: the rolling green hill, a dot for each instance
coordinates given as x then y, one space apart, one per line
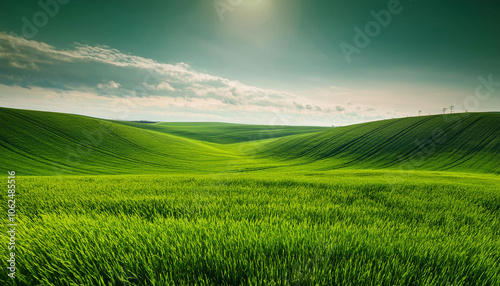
224 133
460 142
45 143
176 204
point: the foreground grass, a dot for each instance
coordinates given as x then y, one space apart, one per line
307 228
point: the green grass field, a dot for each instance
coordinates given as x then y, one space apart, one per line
413 201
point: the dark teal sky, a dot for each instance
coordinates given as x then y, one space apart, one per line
432 51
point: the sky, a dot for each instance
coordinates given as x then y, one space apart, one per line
273 62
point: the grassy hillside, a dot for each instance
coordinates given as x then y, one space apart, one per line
458 142
182 207
45 143
224 133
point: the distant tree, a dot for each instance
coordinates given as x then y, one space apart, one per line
451 109
444 110
419 112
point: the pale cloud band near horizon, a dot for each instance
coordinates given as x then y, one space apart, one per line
94 80
107 72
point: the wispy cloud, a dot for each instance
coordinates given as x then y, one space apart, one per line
108 72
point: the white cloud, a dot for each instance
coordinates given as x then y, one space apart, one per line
107 72
165 86
109 85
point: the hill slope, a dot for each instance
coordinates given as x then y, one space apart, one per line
224 133
45 143
460 142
